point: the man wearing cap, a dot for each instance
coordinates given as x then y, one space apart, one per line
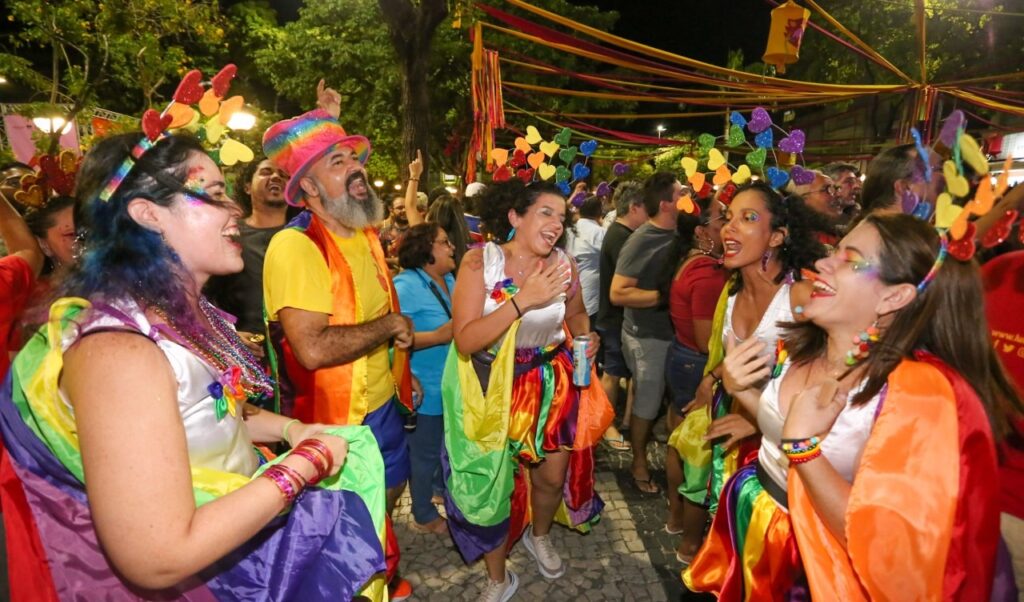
332 309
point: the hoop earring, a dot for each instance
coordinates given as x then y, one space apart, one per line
705 245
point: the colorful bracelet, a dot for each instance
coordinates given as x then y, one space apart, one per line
298 479
284 483
799 451
319 446
314 458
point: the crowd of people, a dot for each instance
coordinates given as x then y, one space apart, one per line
223 395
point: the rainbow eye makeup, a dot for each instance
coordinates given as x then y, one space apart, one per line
857 263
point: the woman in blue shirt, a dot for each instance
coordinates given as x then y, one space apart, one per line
424 288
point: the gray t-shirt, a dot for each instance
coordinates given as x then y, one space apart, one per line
643 257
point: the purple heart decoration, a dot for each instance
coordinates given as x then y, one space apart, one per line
776 177
800 175
578 198
953 123
620 169
765 139
760 121
794 143
587 148
909 201
923 211
580 171
737 118
564 187
603 189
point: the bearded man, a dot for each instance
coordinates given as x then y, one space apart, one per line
332 311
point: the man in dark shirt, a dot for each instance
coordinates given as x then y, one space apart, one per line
241 294
646 326
630 212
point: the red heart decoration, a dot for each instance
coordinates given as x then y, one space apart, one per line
964 248
518 159
58 180
153 124
222 81
501 174
190 89
1000 231
526 175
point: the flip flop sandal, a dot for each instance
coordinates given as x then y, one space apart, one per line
671 531
650 482
618 444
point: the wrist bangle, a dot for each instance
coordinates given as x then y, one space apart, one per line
321 447
516 306
318 461
413 180
284 431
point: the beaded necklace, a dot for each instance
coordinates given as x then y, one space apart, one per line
241 376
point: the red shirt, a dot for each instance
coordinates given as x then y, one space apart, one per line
1003 278
694 296
16 286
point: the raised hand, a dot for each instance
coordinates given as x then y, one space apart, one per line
328 99
744 365
416 167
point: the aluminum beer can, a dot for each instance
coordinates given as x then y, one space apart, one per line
580 361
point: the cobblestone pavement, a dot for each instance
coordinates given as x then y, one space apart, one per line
627 556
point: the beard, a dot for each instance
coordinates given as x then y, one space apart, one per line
352 212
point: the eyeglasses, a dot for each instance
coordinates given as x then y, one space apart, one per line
445 242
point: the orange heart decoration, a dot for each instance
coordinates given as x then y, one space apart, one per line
697 180
209 103
685 204
181 115
499 156
523 145
33 197
535 159
229 107
722 175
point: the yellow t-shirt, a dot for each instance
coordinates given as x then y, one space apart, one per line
296 275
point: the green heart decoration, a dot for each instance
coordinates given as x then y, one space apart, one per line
562 173
563 137
755 158
567 154
705 142
736 136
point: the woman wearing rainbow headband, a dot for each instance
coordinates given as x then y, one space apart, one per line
128 420
524 453
878 419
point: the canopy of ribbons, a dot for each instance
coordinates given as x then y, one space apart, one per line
631 72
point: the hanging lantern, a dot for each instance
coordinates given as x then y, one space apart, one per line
787 30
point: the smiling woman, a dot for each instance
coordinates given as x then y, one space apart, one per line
169 498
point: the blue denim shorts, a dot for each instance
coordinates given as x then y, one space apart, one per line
684 369
611 346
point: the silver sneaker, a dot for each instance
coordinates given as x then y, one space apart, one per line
548 561
501 591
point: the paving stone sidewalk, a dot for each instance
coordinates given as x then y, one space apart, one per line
627 556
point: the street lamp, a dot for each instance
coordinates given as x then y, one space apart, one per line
3 80
241 120
398 186
378 183
50 125
660 129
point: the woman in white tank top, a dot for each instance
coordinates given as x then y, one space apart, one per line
528 286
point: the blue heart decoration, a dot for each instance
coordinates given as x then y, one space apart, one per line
777 177
765 139
587 148
580 171
923 211
564 187
736 118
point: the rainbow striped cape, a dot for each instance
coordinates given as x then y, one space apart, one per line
328 545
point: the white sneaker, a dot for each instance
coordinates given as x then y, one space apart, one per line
501 591
548 561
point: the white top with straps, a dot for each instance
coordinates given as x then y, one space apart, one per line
541 326
216 444
843 446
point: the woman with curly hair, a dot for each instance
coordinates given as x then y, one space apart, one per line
523 454
129 417
766 241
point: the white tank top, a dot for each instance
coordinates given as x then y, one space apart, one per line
842 447
767 331
541 326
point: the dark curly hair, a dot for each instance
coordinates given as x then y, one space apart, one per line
801 247
417 247
496 201
41 219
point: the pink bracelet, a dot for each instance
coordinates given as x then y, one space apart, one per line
284 483
314 458
321 447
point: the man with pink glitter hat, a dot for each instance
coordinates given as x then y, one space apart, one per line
341 342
